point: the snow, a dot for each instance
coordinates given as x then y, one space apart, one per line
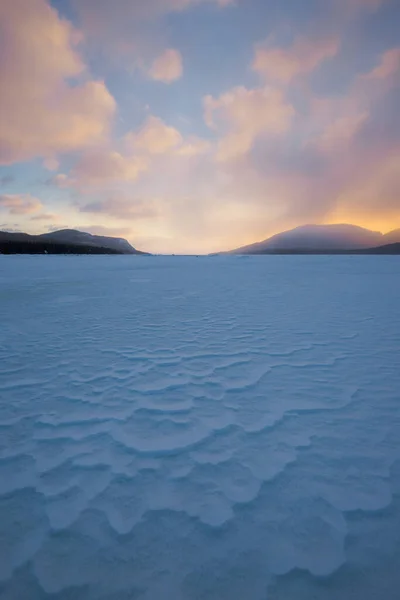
210 428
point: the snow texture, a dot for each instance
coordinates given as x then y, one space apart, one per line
217 428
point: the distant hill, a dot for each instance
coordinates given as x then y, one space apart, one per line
321 239
65 241
393 237
386 249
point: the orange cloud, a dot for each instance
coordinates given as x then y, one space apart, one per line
41 113
242 115
23 204
167 67
302 57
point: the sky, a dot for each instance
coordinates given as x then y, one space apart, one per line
193 126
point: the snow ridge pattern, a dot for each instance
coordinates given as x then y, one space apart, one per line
213 428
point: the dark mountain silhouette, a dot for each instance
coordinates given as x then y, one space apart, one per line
326 239
386 249
65 241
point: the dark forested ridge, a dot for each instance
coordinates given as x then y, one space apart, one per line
66 241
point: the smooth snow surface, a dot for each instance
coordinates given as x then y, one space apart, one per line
221 428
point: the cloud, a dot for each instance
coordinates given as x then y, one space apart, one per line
42 112
341 161
340 131
44 217
360 5
108 231
339 119
128 10
369 4
302 57
61 180
137 152
155 137
23 204
388 67
277 154
338 159
121 207
51 164
96 167
130 27
244 114
167 67
193 147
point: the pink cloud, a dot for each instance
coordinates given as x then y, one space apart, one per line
357 5
96 167
60 180
131 33
339 119
125 160
20 204
302 57
167 67
154 137
45 217
121 207
51 164
108 231
341 131
242 115
193 147
41 113
103 19
388 67
128 9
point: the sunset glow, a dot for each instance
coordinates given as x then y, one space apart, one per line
191 126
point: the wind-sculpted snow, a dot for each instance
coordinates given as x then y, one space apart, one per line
213 428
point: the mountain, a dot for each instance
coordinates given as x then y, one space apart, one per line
321 238
73 236
65 241
386 249
393 237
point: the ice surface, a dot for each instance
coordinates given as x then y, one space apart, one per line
212 428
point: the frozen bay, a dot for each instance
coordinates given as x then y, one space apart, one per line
213 428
